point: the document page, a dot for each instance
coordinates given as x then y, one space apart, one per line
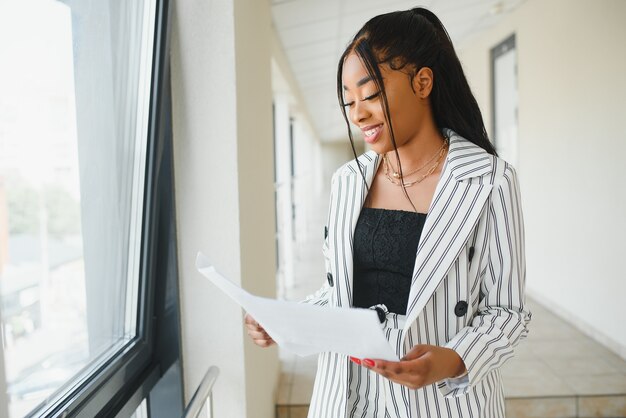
308 329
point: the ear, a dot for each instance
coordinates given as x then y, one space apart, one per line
423 82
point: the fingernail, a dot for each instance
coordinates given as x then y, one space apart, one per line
368 362
355 360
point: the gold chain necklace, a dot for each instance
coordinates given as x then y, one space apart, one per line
397 174
419 180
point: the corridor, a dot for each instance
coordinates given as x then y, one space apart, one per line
557 371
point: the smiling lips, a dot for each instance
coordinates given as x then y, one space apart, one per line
371 133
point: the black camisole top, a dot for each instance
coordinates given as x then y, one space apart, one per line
385 244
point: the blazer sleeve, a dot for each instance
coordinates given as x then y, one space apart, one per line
503 317
322 296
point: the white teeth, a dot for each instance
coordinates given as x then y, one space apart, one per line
371 132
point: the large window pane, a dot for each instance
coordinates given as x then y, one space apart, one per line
74 101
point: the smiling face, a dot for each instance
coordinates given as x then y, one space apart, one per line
409 110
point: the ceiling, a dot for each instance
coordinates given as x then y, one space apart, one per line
314 33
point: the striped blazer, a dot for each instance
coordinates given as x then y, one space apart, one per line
467 290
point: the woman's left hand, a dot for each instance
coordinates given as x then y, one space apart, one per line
422 366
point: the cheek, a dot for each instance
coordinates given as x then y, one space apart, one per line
405 117
401 123
398 104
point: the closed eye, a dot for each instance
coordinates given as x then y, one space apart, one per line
373 96
370 97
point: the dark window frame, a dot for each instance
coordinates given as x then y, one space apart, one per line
121 380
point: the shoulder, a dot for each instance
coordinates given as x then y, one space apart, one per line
352 166
503 172
469 160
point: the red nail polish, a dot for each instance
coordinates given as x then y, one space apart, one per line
355 360
369 362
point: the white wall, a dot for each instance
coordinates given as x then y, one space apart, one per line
307 183
572 108
336 153
224 192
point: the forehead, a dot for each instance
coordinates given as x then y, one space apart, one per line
353 71
354 74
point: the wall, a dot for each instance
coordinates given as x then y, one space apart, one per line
336 153
224 193
572 107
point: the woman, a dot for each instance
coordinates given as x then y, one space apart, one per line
426 227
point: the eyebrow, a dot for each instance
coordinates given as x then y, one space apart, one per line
362 81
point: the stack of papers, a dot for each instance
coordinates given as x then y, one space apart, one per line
308 329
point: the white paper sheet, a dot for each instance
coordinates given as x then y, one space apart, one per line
308 329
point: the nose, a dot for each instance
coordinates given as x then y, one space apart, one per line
359 112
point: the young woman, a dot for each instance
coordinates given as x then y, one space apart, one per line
426 228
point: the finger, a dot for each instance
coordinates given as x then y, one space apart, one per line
402 372
253 327
248 319
264 342
388 369
258 335
397 381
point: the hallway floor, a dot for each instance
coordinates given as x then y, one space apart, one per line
557 371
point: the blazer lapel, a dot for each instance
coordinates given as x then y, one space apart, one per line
454 211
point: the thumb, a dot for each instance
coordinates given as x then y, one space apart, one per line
417 351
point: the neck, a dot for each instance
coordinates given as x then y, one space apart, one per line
418 150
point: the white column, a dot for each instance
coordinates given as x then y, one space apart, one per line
305 193
223 164
284 193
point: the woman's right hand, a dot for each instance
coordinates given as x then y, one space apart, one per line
257 333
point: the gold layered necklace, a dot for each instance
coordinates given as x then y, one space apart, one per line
396 175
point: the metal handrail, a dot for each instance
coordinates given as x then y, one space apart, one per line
202 393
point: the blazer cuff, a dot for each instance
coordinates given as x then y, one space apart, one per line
454 386
320 297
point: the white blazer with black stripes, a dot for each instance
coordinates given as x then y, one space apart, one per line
467 291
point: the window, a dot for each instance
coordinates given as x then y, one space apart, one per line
77 131
505 99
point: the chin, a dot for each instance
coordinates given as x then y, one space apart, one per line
380 148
